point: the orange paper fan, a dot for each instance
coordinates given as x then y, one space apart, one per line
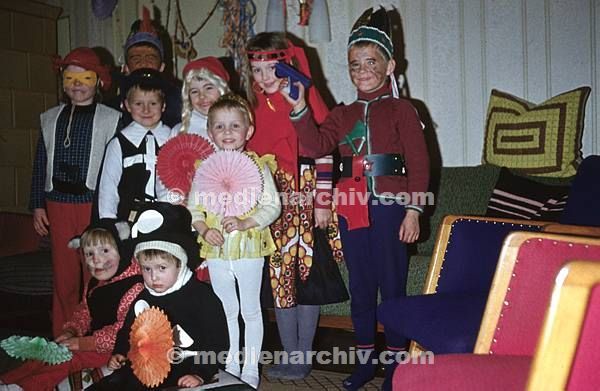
151 339
177 158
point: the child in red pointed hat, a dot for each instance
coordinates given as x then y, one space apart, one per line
204 81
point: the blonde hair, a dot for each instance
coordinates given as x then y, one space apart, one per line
97 236
232 102
197 75
141 88
151 254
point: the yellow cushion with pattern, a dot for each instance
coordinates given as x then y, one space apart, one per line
542 139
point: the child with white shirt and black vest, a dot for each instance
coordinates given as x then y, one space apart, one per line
128 176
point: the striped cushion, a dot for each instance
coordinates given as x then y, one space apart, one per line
521 198
542 139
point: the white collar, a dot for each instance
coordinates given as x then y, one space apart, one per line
184 275
197 114
136 133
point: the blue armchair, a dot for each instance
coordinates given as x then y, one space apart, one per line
446 317
583 204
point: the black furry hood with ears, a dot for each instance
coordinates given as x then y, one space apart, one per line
120 231
160 223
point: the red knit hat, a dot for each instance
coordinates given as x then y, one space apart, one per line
88 59
211 64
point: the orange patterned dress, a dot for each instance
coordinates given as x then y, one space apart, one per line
293 235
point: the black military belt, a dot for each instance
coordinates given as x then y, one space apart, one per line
76 188
377 164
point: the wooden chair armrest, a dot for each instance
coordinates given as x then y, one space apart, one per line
580 230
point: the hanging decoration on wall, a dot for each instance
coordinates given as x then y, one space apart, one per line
277 14
103 9
183 40
311 13
305 9
239 17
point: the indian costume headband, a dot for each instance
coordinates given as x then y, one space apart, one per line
286 55
272 55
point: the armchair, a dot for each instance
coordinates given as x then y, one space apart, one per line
568 349
513 317
582 205
446 317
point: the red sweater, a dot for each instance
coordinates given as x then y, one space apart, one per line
392 126
275 134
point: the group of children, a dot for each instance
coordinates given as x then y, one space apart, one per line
290 139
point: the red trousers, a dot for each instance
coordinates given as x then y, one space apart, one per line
37 376
66 221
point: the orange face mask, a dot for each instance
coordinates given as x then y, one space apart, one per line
87 78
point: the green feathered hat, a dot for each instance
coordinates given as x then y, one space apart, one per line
373 27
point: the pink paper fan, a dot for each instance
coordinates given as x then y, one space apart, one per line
229 183
177 158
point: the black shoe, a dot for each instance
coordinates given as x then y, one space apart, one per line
356 381
392 360
363 373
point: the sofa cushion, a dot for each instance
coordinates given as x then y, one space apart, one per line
458 191
543 139
522 198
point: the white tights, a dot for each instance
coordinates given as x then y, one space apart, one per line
248 273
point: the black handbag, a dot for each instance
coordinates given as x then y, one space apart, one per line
324 284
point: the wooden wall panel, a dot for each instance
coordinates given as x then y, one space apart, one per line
26 79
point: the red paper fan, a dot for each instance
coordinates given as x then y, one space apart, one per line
229 183
176 160
151 341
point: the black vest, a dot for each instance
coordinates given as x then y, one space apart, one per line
132 186
103 302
